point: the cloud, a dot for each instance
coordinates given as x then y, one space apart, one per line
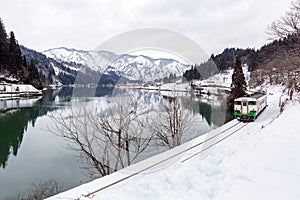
214 24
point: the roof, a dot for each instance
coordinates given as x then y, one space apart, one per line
254 96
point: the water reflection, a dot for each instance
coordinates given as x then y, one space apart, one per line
17 114
14 120
213 109
23 122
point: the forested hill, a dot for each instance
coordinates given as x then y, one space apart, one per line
278 60
223 61
226 59
14 67
273 61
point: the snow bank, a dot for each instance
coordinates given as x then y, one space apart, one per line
16 90
260 161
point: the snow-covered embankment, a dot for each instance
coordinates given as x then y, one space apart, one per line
260 161
18 90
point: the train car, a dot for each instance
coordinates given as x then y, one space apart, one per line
249 107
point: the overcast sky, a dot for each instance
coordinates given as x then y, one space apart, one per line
85 24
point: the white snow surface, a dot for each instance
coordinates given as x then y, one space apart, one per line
223 78
260 161
14 90
18 88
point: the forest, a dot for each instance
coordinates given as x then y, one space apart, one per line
14 67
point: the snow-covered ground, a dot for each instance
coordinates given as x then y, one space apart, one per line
213 85
259 161
222 79
16 90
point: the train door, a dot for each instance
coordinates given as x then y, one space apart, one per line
244 109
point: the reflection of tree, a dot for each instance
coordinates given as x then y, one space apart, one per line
214 115
172 123
12 126
109 138
14 122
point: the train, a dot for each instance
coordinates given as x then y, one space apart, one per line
247 108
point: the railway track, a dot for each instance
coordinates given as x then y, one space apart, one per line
210 139
215 143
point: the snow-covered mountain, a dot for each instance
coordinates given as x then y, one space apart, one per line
129 66
56 72
50 70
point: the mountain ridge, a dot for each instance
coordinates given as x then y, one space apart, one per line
132 67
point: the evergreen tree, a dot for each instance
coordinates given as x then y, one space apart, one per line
13 62
33 77
15 55
192 74
3 46
238 86
25 64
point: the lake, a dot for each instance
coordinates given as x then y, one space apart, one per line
31 154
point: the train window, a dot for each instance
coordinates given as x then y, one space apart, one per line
252 103
238 103
245 103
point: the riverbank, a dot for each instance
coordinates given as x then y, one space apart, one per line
12 91
180 88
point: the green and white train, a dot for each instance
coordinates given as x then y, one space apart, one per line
249 107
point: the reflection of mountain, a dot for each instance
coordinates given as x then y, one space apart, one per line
18 114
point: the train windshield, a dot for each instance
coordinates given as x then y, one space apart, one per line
238 103
252 103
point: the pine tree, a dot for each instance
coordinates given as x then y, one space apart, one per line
12 60
15 55
238 86
25 64
33 77
3 46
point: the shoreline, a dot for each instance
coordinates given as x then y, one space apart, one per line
16 91
17 95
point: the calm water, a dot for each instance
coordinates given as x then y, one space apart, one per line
29 153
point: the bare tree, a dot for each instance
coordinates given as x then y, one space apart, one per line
288 24
172 123
287 64
40 191
45 189
108 138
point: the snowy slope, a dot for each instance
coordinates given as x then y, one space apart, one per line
90 58
260 161
129 66
53 72
223 78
